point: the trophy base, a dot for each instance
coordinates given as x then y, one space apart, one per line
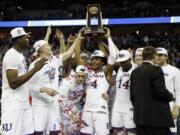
94 32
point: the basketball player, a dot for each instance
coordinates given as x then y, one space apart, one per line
122 112
44 87
16 112
172 81
95 111
71 92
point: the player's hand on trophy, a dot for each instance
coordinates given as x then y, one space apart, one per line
108 32
105 96
59 34
39 64
175 111
48 91
80 33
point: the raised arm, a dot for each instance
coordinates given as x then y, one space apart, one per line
70 41
104 48
60 37
78 59
49 30
113 50
71 50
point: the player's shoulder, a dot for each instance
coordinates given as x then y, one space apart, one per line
174 68
11 53
11 56
171 69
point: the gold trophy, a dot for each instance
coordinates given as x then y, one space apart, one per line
94 14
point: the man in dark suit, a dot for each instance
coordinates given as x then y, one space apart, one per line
150 97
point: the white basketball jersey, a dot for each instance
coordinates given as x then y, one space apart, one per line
48 77
96 85
172 81
16 61
122 101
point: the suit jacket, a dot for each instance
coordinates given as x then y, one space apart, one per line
150 97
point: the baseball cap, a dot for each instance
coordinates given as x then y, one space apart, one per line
161 50
97 53
123 55
37 45
19 31
81 69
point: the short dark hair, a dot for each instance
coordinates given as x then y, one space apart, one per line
148 53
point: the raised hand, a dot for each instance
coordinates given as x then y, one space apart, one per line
40 63
59 34
49 30
80 33
108 32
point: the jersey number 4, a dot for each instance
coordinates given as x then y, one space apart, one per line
94 84
125 84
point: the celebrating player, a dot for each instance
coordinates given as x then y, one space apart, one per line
16 116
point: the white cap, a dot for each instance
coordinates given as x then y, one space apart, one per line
81 69
123 55
97 53
37 45
161 50
19 31
139 50
84 55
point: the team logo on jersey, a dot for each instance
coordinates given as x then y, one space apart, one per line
7 127
51 74
98 76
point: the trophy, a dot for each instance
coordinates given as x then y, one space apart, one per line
94 15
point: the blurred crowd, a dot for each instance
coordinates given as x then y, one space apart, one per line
67 9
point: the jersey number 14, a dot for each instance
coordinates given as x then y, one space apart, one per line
125 84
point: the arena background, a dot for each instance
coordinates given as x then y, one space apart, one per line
133 35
